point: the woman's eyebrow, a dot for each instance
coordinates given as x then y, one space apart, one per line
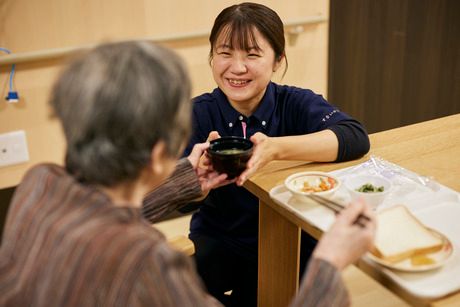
258 49
223 46
250 49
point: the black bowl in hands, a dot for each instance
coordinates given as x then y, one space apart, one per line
229 155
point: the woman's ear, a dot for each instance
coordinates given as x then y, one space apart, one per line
278 62
159 158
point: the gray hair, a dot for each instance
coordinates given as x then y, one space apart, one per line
115 103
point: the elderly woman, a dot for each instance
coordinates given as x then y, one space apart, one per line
75 236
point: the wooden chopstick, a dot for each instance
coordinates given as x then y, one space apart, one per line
337 207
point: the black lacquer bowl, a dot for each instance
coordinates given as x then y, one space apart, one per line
230 154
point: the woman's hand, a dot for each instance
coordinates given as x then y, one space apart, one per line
204 159
264 152
208 178
346 241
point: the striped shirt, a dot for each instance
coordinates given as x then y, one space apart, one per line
66 244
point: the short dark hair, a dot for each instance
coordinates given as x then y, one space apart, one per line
115 103
237 23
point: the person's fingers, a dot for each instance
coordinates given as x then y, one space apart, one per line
211 178
216 180
251 168
200 171
257 138
369 221
252 161
213 175
202 146
198 149
196 153
203 172
205 162
351 212
213 135
371 224
241 179
368 211
227 181
245 175
366 227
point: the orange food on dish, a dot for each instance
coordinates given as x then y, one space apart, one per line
324 185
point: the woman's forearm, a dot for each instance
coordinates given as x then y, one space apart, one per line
347 140
320 146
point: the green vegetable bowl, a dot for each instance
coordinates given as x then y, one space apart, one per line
372 188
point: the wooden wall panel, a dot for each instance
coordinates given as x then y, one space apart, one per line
395 62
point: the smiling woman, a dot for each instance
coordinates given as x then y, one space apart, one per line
243 73
247 46
244 54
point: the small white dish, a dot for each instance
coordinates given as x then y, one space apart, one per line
373 199
304 183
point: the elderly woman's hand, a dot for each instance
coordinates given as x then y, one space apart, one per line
346 241
263 153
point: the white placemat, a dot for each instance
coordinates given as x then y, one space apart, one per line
437 206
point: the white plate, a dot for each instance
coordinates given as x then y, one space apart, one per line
439 258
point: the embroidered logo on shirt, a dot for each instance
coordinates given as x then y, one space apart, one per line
325 118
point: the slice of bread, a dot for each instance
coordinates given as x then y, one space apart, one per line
400 235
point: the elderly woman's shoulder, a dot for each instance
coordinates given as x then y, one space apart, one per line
44 169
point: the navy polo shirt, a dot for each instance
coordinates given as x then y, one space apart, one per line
230 213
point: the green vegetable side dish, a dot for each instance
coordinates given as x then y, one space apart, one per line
370 188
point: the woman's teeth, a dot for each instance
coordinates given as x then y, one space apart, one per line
237 82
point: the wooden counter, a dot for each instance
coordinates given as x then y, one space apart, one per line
431 148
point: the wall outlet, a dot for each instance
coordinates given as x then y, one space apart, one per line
13 148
